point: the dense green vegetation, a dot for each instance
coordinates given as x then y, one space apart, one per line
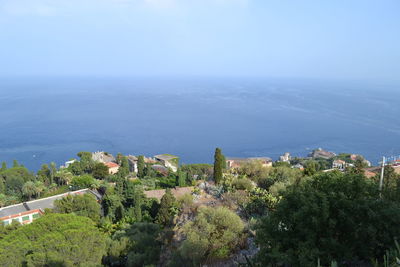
54 240
213 234
83 205
295 217
332 217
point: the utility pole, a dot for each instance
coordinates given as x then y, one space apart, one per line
381 180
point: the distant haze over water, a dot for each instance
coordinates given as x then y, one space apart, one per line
49 119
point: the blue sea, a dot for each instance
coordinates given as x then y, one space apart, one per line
51 119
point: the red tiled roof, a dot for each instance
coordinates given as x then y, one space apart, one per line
21 214
369 174
339 161
111 164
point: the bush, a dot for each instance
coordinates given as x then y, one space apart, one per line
260 203
82 181
100 171
185 200
242 184
138 245
213 234
236 199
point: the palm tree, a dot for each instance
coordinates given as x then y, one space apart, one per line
39 188
63 177
29 189
95 185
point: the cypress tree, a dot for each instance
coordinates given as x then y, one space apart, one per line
15 163
3 166
223 162
123 170
138 205
140 166
218 165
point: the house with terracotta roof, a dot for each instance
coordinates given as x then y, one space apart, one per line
112 167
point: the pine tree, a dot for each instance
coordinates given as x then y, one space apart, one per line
140 166
218 165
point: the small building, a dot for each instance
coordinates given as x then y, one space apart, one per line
285 157
232 163
298 166
339 164
68 163
321 154
150 160
27 212
133 162
160 168
103 157
354 157
112 167
169 161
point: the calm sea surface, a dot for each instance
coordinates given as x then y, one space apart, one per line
45 120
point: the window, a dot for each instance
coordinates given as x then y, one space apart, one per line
15 220
6 222
35 216
25 218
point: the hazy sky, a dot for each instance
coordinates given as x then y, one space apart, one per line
345 39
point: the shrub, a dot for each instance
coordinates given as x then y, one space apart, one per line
185 200
236 199
82 181
260 202
213 234
138 245
242 184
